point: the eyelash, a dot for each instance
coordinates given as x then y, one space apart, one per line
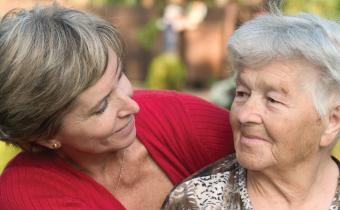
106 102
271 100
241 94
102 110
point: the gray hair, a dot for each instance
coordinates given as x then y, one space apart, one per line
306 36
48 56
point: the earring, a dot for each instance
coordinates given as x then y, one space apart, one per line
56 146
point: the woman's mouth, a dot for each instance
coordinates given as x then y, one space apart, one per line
247 138
126 129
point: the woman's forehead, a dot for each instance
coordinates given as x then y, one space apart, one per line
279 75
103 86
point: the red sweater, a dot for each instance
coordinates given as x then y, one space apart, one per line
182 133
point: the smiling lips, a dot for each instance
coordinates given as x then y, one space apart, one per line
126 129
252 138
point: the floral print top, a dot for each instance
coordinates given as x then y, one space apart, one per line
220 186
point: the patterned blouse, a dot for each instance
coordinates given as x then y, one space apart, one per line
220 186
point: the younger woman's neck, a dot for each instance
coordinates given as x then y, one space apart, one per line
93 164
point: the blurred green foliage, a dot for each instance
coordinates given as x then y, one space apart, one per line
7 152
325 8
166 71
147 35
157 3
336 150
120 2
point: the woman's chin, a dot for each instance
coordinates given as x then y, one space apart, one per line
251 161
113 144
128 140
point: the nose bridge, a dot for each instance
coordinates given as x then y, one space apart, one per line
251 110
127 105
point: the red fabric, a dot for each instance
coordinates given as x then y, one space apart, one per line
181 132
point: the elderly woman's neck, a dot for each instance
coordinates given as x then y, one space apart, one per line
107 165
301 187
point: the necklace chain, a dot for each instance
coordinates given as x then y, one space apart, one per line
120 171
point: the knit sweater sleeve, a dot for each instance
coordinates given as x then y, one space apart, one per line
41 182
182 133
211 130
33 188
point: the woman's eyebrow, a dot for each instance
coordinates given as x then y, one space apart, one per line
240 80
118 75
95 107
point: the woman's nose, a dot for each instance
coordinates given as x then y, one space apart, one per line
250 112
127 107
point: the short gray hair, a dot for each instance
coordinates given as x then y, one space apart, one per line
48 56
306 36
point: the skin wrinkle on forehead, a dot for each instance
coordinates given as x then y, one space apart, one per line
307 80
243 77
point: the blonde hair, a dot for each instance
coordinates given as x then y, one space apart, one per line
48 56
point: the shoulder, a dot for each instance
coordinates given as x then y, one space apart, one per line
26 169
206 188
167 108
197 130
158 106
147 94
141 95
36 179
25 166
165 102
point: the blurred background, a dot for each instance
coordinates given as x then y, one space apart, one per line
178 44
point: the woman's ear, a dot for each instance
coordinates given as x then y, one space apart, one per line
52 144
332 128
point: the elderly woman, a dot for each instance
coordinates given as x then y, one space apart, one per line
285 119
89 142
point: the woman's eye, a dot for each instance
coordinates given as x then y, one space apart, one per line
102 108
241 94
271 100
